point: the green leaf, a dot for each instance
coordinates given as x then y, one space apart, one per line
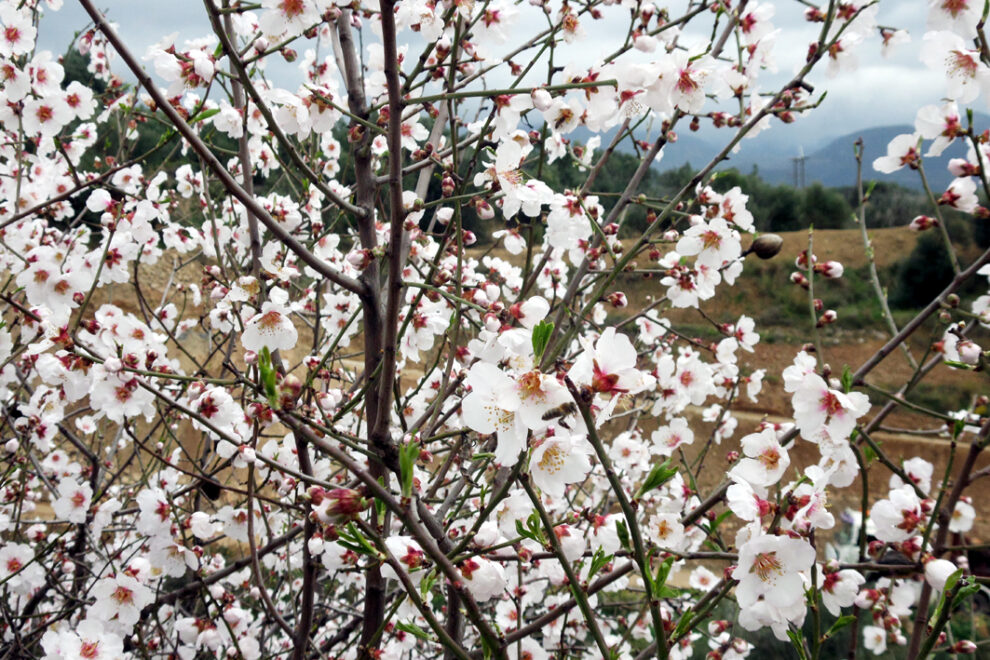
623 532
267 373
358 538
847 379
408 453
964 593
868 454
663 570
658 476
523 532
958 365
839 624
598 562
413 629
541 336
205 114
797 641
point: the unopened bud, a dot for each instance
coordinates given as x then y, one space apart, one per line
964 646
767 246
922 223
484 210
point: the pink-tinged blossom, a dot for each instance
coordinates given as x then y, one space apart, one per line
484 578
919 471
491 408
119 598
713 242
557 461
609 368
958 16
961 195
19 572
839 589
899 517
667 439
771 585
941 124
73 500
88 640
902 150
765 460
271 327
824 414
949 54
17 36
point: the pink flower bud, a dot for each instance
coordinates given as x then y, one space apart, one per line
617 299
922 223
360 259
964 646
484 210
830 269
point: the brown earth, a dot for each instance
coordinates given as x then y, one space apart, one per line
781 341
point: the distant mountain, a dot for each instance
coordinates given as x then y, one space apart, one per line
834 164
772 154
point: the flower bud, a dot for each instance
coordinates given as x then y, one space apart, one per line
937 571
964 646
344 503
767 246
447 186
541 99
830 269
444 215
969 352
617 299
484 210
922 223
828 317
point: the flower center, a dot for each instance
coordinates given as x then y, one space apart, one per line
765 565
552 460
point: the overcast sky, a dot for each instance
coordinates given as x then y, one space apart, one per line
881 91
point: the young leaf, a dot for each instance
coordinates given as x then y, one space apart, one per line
205 114
847 379
267 373
623 532
413 629
598 562
408 453
661 579
541 335
658 476
839 624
